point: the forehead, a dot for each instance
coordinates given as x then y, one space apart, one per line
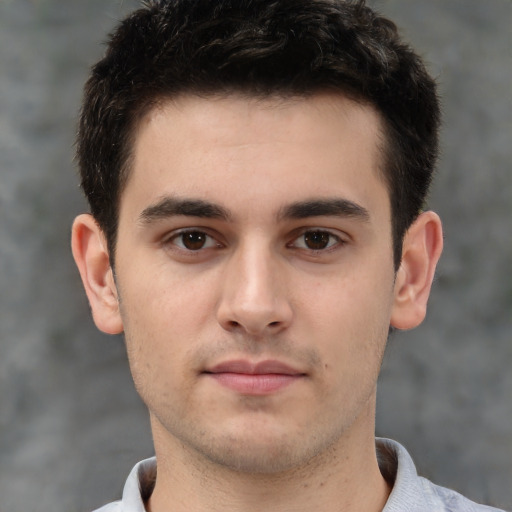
213 146
321 113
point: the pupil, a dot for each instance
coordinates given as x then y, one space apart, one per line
316 239
194 240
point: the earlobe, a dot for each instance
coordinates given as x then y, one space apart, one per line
422 247
91 256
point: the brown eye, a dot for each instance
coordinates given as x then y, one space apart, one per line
317 240
192 240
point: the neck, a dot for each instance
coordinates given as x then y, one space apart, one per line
345 478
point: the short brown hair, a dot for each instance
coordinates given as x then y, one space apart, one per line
263 48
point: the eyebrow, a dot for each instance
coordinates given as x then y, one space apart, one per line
171 206
336 207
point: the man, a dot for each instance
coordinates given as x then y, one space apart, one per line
256 172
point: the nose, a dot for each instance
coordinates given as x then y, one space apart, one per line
254 294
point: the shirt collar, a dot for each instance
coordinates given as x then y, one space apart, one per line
408 492
139 486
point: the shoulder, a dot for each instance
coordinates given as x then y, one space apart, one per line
111 507
413 493
448 500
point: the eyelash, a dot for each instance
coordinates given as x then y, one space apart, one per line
333 242
197 231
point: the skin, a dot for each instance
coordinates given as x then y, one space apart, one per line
259 230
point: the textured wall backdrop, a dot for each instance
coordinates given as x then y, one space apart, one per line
71 425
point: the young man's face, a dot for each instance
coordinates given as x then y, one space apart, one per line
255 276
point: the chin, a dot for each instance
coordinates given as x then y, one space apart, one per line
269 454
256 459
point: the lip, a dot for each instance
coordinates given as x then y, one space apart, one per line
248 378
249 368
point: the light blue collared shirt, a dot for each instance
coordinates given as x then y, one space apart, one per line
411 493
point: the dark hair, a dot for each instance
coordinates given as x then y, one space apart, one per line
262 48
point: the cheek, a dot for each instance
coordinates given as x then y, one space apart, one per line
350 315
163 318
167 298
158 352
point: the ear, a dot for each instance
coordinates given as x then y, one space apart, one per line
422 247
91 256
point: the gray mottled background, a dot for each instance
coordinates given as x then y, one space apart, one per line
71 425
